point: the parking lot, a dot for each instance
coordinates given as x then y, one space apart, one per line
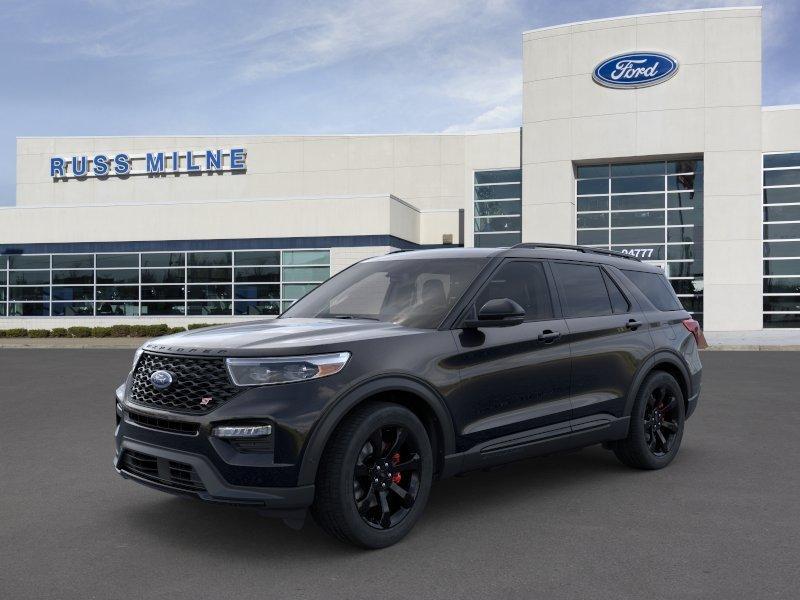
723 521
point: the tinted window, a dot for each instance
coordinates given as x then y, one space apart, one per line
656 288
584 291
619 304
523 282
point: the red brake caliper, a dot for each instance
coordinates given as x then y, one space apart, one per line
397 477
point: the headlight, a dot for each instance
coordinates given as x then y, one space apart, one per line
137 356
270 371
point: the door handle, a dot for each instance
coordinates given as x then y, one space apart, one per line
548 336
633 324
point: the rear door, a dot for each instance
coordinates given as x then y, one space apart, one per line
607 336
513 379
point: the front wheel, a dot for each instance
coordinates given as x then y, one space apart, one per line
656 427
374 477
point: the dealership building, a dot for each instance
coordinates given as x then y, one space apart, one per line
644 134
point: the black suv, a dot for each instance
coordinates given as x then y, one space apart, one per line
411 367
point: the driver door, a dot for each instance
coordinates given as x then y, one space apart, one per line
517 378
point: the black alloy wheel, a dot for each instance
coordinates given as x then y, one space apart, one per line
661 420
386 477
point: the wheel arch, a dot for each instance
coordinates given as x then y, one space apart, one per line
668 362
413 394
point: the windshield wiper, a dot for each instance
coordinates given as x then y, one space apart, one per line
348 317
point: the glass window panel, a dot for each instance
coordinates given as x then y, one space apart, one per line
782 267
162 308
522 281
117 292
163 276
29 277
222 307
209 259
84 292
117 309
685 269
780 249
3 262
680 252
497 240
787 177
637 236
584 291
592 220
782 213
506 207
782 303
305 273
648 168
782 231
2 310
782 195
640 201
118 276
294 291
73 277
306 257
73 261
637 219
684 166
782 285
254 307
693 303
29 293
684 217
115 261
498 176
685 200
28 309
789 159
687 286
586 171
655 288
645 252
163 292
72 309
637 184
209 275
493 192
592 237
257 274
619 303
593 203
2 294
504 224
680 234
2 277
592 186
775 321
285 305
209 292
164 259
260 258
24 261
684 182
256 292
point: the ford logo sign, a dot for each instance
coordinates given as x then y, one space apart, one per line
161 380
635 70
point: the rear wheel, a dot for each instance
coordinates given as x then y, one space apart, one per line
656 427
375 476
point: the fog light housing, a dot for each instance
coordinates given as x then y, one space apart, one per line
241 431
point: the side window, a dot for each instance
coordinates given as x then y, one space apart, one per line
619 303
656 288
523 282
584 290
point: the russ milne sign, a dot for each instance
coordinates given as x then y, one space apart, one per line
635 70
122 164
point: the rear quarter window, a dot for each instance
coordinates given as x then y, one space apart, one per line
657 289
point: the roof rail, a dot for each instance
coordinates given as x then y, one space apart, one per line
585 249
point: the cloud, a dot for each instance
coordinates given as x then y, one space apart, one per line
497 117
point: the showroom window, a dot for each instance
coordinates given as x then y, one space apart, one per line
129 284
498 208
781 301
651 210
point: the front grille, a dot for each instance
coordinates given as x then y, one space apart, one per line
169 425
160 470
199 384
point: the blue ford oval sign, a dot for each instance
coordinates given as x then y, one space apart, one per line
635 70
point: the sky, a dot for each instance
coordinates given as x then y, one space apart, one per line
196 67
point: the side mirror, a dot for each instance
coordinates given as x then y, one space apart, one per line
500 312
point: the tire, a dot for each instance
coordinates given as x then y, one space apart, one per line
383 442
656 426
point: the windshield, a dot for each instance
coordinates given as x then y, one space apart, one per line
411 292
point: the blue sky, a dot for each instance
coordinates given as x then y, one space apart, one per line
149 67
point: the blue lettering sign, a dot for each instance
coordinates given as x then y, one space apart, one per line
176 161
190 166
79 166
154 162
121 164
100 165
635 70
213 160
56 167
237 159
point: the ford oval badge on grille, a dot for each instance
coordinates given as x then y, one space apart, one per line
161 380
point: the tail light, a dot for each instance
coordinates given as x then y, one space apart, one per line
694 328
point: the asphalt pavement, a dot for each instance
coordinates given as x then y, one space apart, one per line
723 521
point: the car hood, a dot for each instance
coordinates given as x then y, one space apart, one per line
278 337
